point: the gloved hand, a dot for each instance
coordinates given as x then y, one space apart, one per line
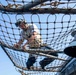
16 46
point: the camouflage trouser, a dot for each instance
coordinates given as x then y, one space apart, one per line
36 43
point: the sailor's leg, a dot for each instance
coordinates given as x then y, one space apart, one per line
47 60
31 60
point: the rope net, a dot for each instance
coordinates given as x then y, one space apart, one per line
55 28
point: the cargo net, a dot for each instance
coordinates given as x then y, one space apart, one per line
55 20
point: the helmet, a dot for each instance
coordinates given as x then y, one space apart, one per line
19 21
